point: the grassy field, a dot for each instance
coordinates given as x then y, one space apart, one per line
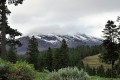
99 78
94 61
43 76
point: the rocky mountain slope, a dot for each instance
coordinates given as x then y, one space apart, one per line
54 41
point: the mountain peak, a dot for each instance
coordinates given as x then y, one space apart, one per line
54 41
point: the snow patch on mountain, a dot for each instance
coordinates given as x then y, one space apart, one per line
54 41
51 41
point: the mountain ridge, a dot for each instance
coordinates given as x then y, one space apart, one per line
54 41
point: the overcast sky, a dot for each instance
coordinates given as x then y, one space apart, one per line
63 16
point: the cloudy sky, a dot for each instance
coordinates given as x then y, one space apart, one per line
63 16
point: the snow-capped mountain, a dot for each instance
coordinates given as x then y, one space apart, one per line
54 41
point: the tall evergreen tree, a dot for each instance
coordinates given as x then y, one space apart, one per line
12 43
11 55
49 59
101 71
33 51
93 71
108 73
61 57
3 22
110 43
55 62
88 69
64 54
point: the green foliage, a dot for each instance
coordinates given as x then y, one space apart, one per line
41 76
100 71
33 51
69 74
18 71
88 69
24 70
11 56
102 78
54 76
49 59
61 58
4 68
5 28
55 59
45 76
111 44
74 57
108 73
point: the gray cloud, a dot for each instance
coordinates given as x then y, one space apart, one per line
63 16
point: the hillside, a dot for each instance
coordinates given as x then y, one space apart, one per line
94 61
54 41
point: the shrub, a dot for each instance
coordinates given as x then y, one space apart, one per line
11 55
69 74
19 71
5 69
54 76
24 70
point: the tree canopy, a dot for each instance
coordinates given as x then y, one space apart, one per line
4 28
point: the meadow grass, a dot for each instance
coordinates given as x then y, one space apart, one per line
94 61
44 76
41 76
101 78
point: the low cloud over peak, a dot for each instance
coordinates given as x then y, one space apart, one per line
63 16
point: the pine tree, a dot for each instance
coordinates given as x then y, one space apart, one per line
55 62
94 71
108 73
88 69
3 22
11 55
101 71
41 61
60 58
64 59
49 59
80 64
12 43
110 43
33 51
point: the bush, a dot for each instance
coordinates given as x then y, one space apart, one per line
23 71
54 76
5 69
19 71
69 74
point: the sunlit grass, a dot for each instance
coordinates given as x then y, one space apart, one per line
100 78
41 76
94 61
44 76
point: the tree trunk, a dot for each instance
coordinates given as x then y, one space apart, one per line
3 32
3 44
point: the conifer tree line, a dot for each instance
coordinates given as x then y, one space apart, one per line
100 71
54 59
